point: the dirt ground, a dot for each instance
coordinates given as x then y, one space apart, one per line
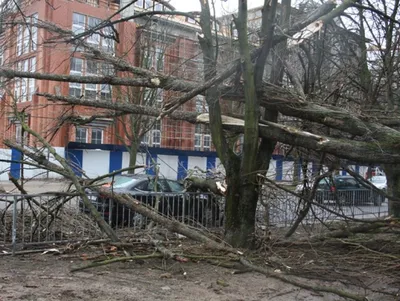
47 277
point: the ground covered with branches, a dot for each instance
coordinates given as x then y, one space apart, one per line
158 265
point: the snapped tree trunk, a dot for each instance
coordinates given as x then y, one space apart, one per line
393 182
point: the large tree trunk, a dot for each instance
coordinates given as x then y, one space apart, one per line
240 209
393 182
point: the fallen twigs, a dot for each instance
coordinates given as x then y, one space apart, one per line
302 285
162 252
117 259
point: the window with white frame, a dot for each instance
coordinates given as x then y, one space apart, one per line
78 23
94 38
159 96
81 23
159 58
153 58
18 135
93 2
206 141
153 136
234 31
81 67
202 138
153 97
190 20
201 105
158 6
97 136
24 88
107 42
81 135
198 137
27 35
139 3
150 5
76 68
91 89
156 134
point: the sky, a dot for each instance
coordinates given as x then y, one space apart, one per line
222 7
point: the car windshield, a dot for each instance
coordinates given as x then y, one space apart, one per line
378 179
123 182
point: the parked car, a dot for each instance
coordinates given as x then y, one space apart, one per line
170 194
346 190
380 182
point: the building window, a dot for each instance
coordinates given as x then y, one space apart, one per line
190 20
234 31
159 97
158 6
201 105
105 92
150 5
156 134
153 58
18 135
78 23
207 142
95 37
75 89
202 138
92 68
81 23
153 97
153 136
91 89
27 35
81 135
159 58
139 3
97 136
24 88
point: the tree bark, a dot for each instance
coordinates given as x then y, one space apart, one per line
393 182
239 213
243 189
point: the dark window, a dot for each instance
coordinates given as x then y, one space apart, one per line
81 135
164 185
97 136
175 186
151 186
141 186
351 183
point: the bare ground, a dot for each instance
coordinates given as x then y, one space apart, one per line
48 277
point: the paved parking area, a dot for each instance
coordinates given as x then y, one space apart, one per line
37 186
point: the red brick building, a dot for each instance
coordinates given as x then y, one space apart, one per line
168 45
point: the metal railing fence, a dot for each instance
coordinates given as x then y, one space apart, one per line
36 219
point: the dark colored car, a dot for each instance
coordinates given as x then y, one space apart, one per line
170 195
346 190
